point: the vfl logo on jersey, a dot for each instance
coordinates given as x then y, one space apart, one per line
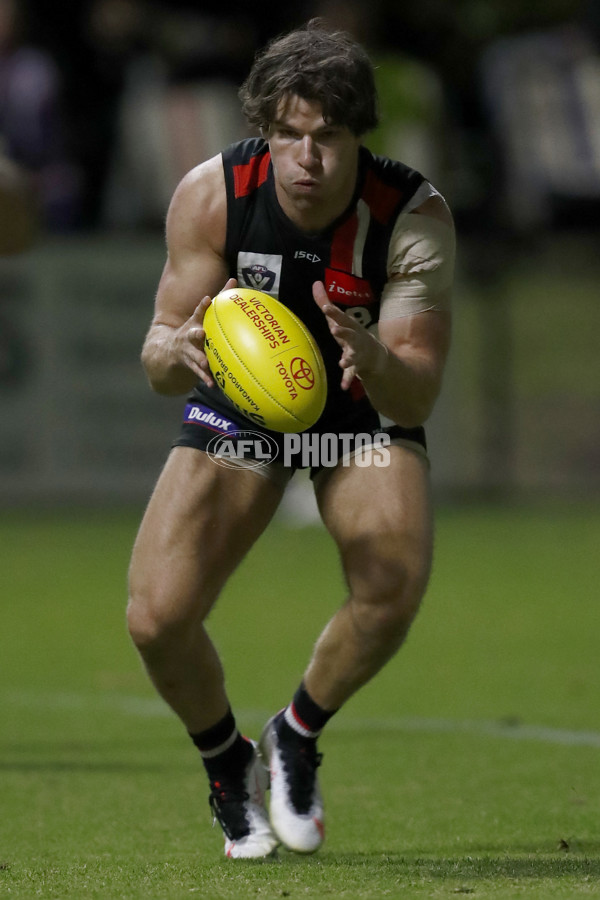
259 271
259 278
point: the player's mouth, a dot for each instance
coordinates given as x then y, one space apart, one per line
306 184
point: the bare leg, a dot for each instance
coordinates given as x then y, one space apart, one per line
201 521
381 521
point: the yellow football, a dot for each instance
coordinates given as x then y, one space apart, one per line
265 360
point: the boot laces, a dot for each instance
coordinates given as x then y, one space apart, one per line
228 803
301 762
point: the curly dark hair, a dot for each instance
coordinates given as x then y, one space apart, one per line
315 64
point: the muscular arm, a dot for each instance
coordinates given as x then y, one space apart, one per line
402 369
195 270
405 377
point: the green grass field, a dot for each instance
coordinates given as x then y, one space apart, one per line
469 766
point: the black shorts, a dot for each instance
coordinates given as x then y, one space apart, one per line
235 441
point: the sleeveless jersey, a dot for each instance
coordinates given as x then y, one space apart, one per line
267 252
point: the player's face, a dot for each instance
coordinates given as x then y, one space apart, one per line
315 164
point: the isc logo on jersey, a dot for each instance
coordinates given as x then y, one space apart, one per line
265 360
306 254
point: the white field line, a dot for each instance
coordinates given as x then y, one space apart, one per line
154 707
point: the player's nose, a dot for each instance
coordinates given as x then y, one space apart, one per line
308 152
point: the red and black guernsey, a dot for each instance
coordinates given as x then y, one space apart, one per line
267 252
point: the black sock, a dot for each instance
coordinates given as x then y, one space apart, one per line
225 753
303 718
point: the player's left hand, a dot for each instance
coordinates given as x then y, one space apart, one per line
362 353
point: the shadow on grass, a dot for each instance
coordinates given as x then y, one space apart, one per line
481 863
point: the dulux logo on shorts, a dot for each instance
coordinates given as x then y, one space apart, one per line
196 414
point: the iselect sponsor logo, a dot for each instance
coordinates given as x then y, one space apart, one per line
196 414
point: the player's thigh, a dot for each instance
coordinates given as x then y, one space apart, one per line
381 520
201 520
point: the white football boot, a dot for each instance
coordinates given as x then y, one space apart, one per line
239 808
296 805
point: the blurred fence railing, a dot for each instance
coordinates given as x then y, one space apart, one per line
78 418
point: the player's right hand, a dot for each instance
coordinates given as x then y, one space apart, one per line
191 343
191 337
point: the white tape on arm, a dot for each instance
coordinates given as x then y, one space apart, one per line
420 266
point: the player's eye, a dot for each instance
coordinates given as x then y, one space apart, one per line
330 134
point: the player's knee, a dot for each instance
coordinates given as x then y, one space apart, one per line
152 625
385 621
386 598
144 627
